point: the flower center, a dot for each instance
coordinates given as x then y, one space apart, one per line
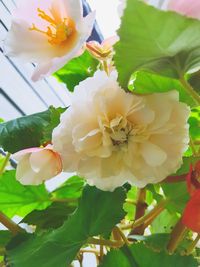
59 31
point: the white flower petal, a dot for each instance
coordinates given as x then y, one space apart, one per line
34 46
49 53
153 155
74 9
36 165
40 160
143 137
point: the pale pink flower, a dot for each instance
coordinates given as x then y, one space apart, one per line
104 50
190 8
36 165
48 33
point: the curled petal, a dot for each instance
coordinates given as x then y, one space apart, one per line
36 165
191 215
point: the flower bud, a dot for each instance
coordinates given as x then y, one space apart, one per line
36 165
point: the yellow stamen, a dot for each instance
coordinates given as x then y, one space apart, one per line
58 32
44 16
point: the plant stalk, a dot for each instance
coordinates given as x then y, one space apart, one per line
6 160
177 236
122 235
148 218
10 225
190 89
193 245
141 207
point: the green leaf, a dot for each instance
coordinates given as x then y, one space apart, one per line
77 70
156 242
194 122
29 131
97 214
51 218
116 258
157 41
164 223
159 241
5 237
130 207
177 194
147 83
194 81
187 161
72 188
138 255
16 199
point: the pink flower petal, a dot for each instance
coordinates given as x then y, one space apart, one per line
190 8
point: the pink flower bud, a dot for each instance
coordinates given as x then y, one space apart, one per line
36 165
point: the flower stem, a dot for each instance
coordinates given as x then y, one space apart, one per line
175 179
10 225
148 218
192 145
5 163
109 243
177 236
129 201
193 245
93 251
140 211
105 66
122 235
190 89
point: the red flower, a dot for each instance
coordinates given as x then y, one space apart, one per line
191 215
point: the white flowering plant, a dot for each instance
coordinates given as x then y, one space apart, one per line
130 139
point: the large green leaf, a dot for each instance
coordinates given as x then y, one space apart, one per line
72 188
162 42
116 258
164 223
29 131
52 217
177 194
5 237
16 199
138 255
77 70
147 83
97 214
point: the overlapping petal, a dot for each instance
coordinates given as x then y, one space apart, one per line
111 137
36 165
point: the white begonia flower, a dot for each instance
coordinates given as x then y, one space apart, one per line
49 33
36 165
111 137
